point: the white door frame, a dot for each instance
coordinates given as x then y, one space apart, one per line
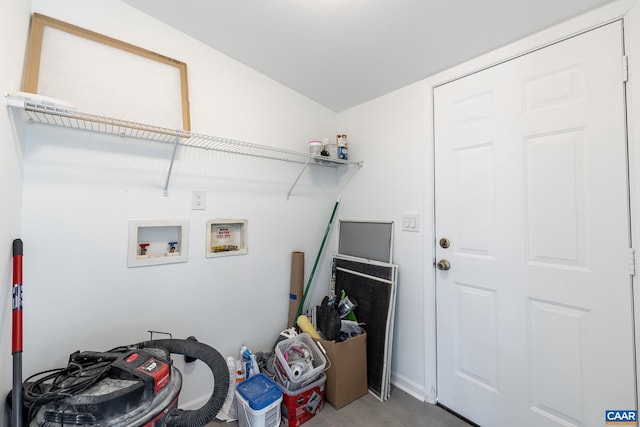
629 12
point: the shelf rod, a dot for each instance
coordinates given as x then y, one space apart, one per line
298 177
165 193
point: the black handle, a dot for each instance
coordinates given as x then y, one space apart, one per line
17 247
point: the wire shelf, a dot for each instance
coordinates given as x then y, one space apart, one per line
62 116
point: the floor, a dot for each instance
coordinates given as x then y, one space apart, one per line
400 410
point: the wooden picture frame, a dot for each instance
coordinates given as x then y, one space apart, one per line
35 50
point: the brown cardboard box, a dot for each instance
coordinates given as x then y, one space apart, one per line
347 375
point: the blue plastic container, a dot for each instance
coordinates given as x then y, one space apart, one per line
259 392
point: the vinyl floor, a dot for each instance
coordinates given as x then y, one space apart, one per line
400 410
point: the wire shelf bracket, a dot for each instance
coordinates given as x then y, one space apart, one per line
165 192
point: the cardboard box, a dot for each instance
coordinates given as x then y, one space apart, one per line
347 375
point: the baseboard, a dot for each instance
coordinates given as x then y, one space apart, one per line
408 386
403 383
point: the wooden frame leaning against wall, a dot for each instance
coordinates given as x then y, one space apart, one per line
39 24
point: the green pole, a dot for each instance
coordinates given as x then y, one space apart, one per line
315 264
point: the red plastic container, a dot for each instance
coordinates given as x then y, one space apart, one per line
299 406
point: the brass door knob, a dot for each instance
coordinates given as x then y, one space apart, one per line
443 264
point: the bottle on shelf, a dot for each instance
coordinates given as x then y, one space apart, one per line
343 152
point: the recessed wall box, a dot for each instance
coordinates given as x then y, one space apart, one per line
226 237
157 241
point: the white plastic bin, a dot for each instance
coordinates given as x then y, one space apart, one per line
259 401
292 377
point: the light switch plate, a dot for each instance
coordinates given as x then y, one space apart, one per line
410 222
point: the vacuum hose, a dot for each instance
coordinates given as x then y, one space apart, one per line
215 362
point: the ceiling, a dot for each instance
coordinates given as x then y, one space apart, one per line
341 53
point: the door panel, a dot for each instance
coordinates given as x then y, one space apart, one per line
557 355
477 336
555 199
532 192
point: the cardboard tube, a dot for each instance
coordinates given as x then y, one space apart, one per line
297 285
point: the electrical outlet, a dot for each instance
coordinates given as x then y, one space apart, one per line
198 199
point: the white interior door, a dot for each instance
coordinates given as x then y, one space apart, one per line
534 316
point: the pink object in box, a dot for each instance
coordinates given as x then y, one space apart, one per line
298 376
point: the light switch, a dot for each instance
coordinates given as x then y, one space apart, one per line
410 222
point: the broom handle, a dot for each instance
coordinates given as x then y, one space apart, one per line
16 344
315 264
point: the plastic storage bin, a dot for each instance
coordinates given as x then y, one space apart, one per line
259 401
298 375
301 405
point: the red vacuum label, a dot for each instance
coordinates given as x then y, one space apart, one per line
158 370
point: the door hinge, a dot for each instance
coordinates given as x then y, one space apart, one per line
625 69
632 261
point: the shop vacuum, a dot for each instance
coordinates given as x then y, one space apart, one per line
133 385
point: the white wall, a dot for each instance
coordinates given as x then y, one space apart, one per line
81 189
389 134
14 19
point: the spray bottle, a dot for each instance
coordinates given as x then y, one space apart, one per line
249 362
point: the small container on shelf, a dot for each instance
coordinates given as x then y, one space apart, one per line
315 147
333 151
343 152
